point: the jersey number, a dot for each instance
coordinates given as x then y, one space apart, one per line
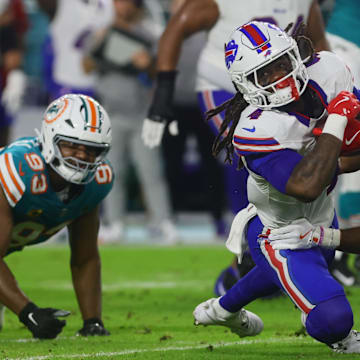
38 184
30 231
34 161
103 174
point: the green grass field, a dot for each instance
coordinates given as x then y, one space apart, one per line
149 296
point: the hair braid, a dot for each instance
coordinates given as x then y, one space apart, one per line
233 109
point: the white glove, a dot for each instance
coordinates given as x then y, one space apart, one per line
152 131
303 235
14 91
298 235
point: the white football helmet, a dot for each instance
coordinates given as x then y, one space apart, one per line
81 120
255 45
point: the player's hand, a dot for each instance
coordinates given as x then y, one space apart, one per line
299 235
344 104
43 322
14 91
161 111
93 327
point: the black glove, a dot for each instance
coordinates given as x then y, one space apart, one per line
161 112
93 327
43 322
161 109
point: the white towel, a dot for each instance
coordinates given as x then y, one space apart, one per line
237 242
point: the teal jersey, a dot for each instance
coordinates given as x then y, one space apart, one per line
38 212
344 20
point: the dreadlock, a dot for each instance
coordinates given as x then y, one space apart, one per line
237 104
233 109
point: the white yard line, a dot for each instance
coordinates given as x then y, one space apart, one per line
165 349
65 285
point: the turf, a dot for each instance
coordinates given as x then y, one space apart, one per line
149 295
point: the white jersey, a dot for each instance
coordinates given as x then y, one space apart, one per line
74 25
211 67
269 131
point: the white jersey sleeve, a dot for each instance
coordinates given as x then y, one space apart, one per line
261 131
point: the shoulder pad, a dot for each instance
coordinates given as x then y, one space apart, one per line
255 133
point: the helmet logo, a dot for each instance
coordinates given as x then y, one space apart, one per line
92 115
268 52
231 49
256 37
55 111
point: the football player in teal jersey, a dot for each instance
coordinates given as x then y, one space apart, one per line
47 182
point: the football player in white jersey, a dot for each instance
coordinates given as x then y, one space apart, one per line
50 182
285 91
218 18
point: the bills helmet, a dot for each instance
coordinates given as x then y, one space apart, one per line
251 48
78 119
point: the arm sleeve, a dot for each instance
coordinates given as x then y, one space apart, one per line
276 167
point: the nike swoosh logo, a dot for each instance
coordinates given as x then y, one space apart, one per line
31 318
250 130
348 142
345 98
302 236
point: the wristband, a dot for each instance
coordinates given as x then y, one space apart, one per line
166 76
326 237
27 309
335 125
161 108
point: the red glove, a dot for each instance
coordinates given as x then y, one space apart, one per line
345 104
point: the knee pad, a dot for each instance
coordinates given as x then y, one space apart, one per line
331 320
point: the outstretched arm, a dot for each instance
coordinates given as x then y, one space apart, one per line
10 294
192 17
86 271
42 322
85 263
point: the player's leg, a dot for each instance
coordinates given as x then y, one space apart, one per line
113 227
304 276
148 164
228 310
